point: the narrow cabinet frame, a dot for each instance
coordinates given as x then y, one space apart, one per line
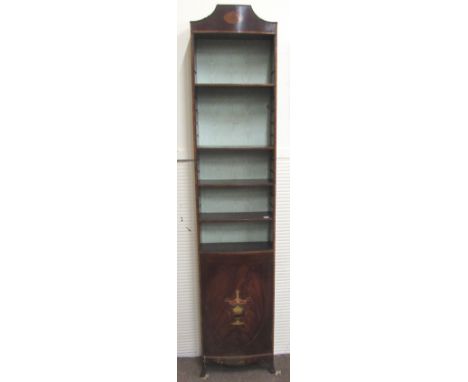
234 95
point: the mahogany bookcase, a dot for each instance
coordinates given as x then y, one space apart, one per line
234 128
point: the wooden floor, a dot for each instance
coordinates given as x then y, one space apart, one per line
188 370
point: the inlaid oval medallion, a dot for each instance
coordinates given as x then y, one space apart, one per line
232 17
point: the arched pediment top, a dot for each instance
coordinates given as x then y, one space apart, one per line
233 19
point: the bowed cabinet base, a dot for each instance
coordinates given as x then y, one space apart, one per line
265 361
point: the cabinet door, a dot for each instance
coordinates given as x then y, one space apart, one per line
237 297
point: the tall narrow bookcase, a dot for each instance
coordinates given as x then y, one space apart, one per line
234 124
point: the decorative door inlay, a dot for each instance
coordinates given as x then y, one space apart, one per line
237 307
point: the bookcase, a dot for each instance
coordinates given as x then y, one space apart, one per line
234 128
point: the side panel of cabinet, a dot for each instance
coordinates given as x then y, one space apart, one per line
237 295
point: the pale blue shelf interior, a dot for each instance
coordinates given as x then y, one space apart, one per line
235 232
234 116
235 165
214 200
233 61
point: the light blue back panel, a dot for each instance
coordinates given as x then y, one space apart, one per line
235 165
233 61
233 117
235 232
234 200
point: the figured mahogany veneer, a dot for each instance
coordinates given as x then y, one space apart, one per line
233 19
238 304
233 62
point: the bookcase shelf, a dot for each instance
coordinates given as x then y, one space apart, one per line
236 248
222 183
234 78
233 86
234 148
235 217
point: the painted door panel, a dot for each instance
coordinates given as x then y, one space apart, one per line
238 304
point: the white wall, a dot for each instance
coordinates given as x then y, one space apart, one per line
188 321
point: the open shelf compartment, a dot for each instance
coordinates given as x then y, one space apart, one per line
235 232
234 200
233 60
234 117
234 165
